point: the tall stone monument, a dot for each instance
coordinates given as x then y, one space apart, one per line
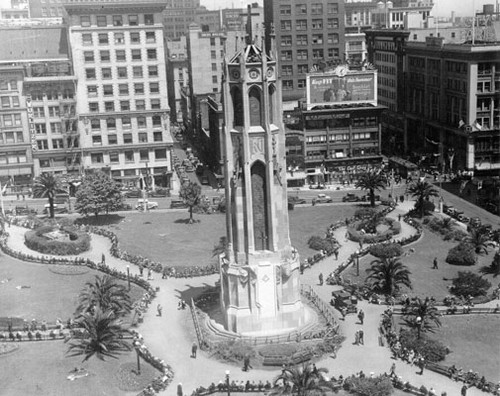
260 269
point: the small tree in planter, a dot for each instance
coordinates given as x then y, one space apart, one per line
469 284
423 316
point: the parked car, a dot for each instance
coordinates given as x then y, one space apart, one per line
321 198
124 206
343 299
296 200
474 222
132 194
149 204
159 193
204 180
366 198
178 205
24 211
350 197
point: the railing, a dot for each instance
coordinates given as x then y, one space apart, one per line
324 307
199 334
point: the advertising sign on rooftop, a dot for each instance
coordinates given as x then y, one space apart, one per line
341 87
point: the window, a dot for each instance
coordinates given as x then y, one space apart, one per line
90 74
139 88
332 8
37 111
110 123
17 119
317 23
303 69
117 20
150 37
151 54
317 54
4 85
96 158
41 129
333 38
88 56
107 90
19 137
93 107
129 156
153 71
161 154
285 10
302 39
317 9
119 38
213 54
42 144
136 55
301 24
120 56
317 39
126 123
97 140
301 9
301 83
103 38
113 156
7 120
155 104
212 42
133 20
141 122
140 104
106 73
286 70
333 23
109 106
137 71
154 88
333 52
286 25
286 41
124 105
286 55
101 20
121 72
135 38
302 54
127 138
123 89
157 136
85 20
68 94
144 155
113 139
95 124
54 111
105 57
149 19
143 137
52 95
55 127
87 39
156 121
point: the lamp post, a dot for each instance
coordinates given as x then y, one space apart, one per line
227 383
357 262
137 346
128 276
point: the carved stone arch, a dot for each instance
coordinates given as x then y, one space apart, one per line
272 103
255 99
259 205
237 99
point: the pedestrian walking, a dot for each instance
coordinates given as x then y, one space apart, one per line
343 311
150 274
361 337
435 263
393 370
320 277
356 337
141 270
336 253
194 349
246 363
103 259
179 390
361 316
421 365
361 244
463 391
399 217
159 308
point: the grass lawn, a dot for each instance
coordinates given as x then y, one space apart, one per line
166 238
41 368
474 341
425 280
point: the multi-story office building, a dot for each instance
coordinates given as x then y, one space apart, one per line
119 60
395 14
46 9
309 35
178 15
177 75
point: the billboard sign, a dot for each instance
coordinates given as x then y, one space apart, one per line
341 87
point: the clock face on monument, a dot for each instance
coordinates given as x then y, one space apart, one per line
341 71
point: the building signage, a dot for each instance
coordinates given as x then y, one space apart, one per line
211 34
341 88
31 122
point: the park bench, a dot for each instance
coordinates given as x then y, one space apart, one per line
280 360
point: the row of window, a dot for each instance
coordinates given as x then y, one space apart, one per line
11 137
316 24
41 128
52 111
8 85
127 138
9 101
52 95
123 89
303 54
8 120
120 72
119 38
124 105
316 9
126 123
302 39
129 156
18 157
385 57
116 20
119 55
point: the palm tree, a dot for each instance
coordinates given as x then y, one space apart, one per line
107 295
191 195
423 315
447 223
493 268
388 274
479 238
102 336
304 380
371 181
422 191
47 186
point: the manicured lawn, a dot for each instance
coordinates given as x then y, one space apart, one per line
474 341
41 368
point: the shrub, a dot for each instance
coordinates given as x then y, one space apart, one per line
363 213
386 250
432 350
366 386
317 243
79 241
469 284
232 350
455 235
462 254
356 236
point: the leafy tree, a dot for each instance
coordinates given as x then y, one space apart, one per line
422 191
469 284
371 181
480 240
386 250
191 195
102 336
493 268
447 223
106 294
305 380
47 185
422 315
98 193
462 254
388 274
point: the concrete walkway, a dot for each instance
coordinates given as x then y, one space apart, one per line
170 337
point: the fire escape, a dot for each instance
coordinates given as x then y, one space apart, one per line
69 121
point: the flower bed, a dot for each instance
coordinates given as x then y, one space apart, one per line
356 234
77 242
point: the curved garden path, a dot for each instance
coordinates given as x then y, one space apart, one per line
170 336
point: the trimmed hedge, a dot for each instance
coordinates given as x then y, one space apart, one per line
79 241
356 236
388 250
469 284
432 350
318 243
462 254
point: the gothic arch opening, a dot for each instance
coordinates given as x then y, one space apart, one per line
255 106
272 99
237 98
259 206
